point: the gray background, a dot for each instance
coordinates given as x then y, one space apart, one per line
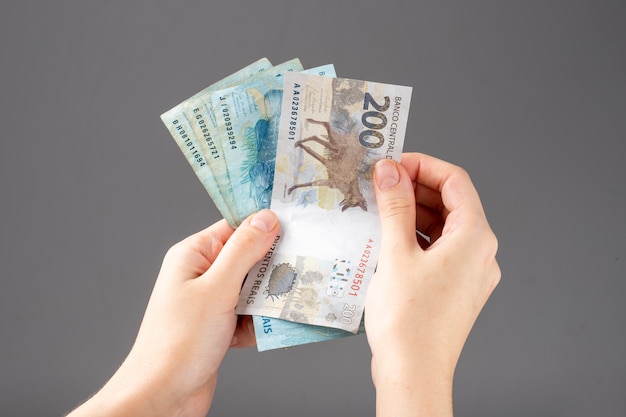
528 96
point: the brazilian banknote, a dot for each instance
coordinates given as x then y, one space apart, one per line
193 125
273 333
190 122
247 117
332 131
199 109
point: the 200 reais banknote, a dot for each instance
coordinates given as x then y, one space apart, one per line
332 131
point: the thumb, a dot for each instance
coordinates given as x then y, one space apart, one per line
247 245
396 204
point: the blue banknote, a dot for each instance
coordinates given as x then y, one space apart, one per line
199 111
247 124
183 133
189 129
273 333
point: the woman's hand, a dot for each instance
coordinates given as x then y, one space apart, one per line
189 324
427 292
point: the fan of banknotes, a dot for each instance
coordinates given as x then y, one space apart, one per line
302 143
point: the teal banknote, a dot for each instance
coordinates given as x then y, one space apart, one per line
182 131
252 69
272 333
199 111
183 128
247 119
332 132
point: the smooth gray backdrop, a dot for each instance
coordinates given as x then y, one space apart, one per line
528 96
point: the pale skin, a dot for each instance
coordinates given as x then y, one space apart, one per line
438 289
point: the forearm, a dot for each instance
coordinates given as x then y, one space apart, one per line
133 391
405 387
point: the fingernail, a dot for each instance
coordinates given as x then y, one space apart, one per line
387 175
264 220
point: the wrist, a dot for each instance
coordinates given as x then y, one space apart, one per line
410 385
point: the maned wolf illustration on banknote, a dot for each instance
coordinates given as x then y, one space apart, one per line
341 156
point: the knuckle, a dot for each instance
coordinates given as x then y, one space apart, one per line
196 243
491 248
492 243
247 240
462 172
244 239
497 274
395 206
494 277
180 248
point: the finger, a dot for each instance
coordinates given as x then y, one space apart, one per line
428 197
396 204
211 240
192 256
247 245
451 181
428 222
244 333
